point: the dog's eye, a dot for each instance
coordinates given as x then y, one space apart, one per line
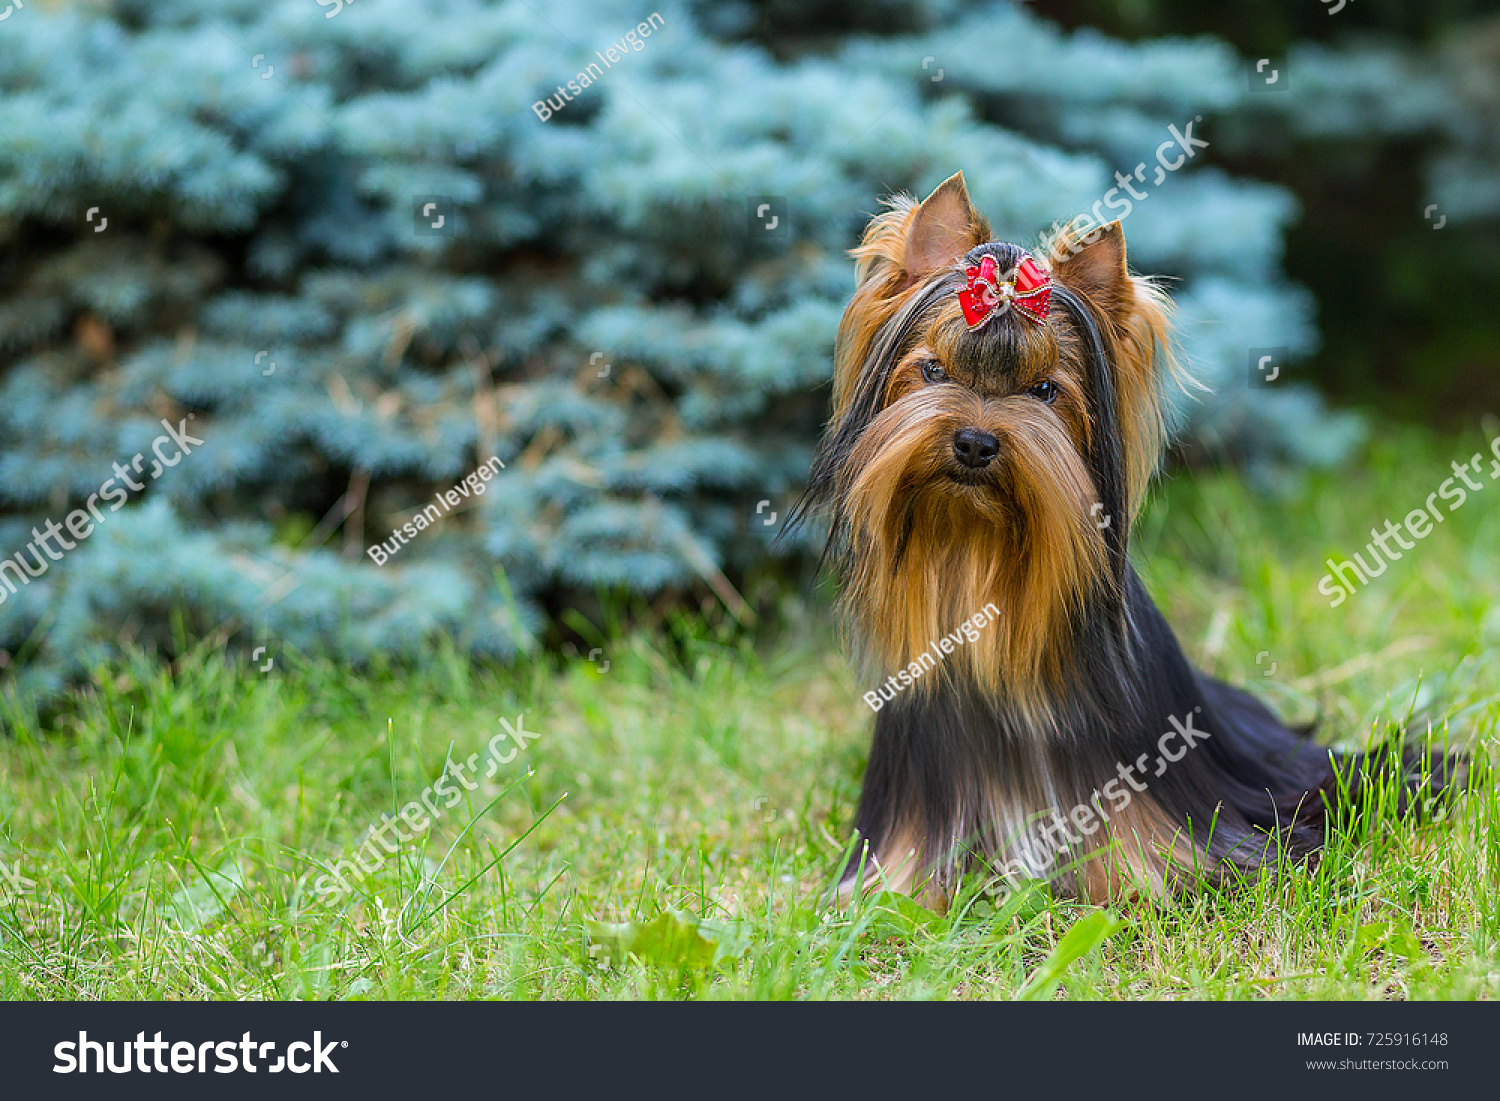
1044 391
933 371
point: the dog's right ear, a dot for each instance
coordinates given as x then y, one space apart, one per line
945 226
912 240
901 248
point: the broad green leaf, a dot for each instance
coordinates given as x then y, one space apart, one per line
671 939
195 905
1087 933
1391 937
896 915
358 990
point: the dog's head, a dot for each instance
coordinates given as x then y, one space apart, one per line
996 422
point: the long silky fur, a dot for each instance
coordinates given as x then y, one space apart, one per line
968 763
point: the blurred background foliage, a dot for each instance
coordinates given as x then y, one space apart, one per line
1407 315
602 310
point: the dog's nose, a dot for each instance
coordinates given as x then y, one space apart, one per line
975 448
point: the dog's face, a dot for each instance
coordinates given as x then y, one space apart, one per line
996 461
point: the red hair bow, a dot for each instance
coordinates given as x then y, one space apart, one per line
1027 287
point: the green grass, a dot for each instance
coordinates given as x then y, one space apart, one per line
685 812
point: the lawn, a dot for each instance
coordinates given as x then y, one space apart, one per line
671 824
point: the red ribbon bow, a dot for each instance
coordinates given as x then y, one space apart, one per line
1028 289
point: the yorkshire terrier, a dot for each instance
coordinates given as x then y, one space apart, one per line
997 420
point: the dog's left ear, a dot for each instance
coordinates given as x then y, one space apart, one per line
1093 264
